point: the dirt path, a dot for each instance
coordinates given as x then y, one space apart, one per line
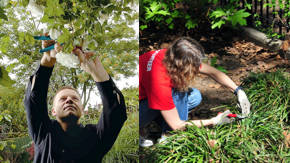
233 53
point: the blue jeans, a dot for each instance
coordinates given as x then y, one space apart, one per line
183 101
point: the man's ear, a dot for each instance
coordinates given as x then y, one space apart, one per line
53 112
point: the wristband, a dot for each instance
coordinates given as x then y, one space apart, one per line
237 89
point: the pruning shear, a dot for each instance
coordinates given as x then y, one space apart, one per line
45 38
236 116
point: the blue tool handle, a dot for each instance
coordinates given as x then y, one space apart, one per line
42 38
48 48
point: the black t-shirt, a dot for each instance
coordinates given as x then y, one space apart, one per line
82 144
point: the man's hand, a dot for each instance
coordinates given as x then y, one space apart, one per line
244 103
93 67
48 59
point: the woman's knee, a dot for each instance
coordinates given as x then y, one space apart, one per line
194 98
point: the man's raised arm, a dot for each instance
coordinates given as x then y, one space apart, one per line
114 109
36 94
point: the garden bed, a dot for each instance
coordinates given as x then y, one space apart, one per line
259 138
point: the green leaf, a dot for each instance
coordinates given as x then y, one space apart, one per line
142 27
154 7
169 20
29 38
213 61
3 144
2 14
7 117
21 37
171 26
239 17
13 146
5 80
25 59
163 12
5 43
64 37
190 24
175 14
218 24
218 13
24 3
222 69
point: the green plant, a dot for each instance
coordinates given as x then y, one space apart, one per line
257 138
280 18
189 13
13 150
131 98
166 14
213 62
228 14
126 148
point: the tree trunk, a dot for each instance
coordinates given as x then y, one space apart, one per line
261 39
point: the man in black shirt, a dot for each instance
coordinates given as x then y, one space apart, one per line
65 140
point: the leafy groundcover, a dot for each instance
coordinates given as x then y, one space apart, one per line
258 138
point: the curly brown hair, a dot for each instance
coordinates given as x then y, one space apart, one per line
182 61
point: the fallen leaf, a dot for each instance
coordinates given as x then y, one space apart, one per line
214 86
203 38
164 45
287 138
211 143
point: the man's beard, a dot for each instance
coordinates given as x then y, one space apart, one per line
70 119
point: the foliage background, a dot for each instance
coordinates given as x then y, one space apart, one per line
182 15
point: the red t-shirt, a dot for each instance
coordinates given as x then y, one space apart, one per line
154 82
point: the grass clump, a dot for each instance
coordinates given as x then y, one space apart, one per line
126 146
258 138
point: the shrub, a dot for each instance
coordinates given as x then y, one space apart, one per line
126 146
